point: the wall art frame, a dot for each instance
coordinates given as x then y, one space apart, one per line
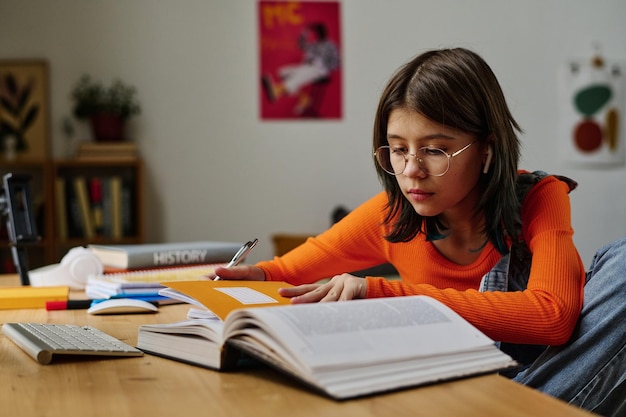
24 109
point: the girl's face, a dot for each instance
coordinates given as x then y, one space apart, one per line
456 192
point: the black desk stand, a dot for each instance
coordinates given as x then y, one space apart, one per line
15 204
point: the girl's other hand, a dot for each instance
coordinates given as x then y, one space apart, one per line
339 288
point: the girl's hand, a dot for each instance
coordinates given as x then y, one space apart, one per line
242 272
339 288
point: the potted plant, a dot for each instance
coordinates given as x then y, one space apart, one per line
107 109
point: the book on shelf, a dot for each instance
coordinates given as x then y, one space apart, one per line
60 208
107 151
82 196
344 349
113 222
75 226
154 255
127 207
90 206
95 204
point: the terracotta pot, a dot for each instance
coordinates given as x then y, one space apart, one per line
107 127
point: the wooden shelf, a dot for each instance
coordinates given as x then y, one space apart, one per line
121 222
55 242
40 253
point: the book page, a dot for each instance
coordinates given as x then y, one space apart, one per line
343 334
196 341
208 328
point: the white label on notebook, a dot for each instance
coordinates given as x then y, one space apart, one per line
247 295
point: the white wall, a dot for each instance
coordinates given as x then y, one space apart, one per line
215 171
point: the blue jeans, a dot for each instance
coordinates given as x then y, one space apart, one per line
589 371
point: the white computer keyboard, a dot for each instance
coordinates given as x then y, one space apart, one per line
43 341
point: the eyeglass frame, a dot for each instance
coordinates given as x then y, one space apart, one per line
420 160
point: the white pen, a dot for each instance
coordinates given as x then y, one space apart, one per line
240 255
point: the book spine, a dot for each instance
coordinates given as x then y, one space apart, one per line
115 190
107 208
75 226
149 256
95 199
60 200
164 258
80 186
128 208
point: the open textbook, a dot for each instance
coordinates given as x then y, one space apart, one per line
343 349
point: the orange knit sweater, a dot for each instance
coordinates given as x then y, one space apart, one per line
545 313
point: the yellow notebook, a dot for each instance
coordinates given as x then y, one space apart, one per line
31 297
222 297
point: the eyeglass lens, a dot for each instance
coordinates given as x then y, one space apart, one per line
432 161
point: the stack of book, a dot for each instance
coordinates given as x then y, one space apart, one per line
107 151
137 270
144 284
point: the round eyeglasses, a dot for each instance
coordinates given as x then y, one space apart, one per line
432 161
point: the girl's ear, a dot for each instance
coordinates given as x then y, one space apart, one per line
488 160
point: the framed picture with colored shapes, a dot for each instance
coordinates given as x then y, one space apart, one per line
591 101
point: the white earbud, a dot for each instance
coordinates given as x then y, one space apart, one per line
488 161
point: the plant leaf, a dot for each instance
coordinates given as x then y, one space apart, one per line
8 106
24 95
31 116
11 84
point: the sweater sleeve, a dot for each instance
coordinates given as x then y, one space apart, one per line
547 311
353 243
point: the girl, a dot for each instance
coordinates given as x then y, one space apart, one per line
461 224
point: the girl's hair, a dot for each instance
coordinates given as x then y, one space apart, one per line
454 87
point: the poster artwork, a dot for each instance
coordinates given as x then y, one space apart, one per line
300 60
591 101
24 117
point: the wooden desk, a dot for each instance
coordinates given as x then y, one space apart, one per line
153 386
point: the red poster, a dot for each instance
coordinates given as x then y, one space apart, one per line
300 60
